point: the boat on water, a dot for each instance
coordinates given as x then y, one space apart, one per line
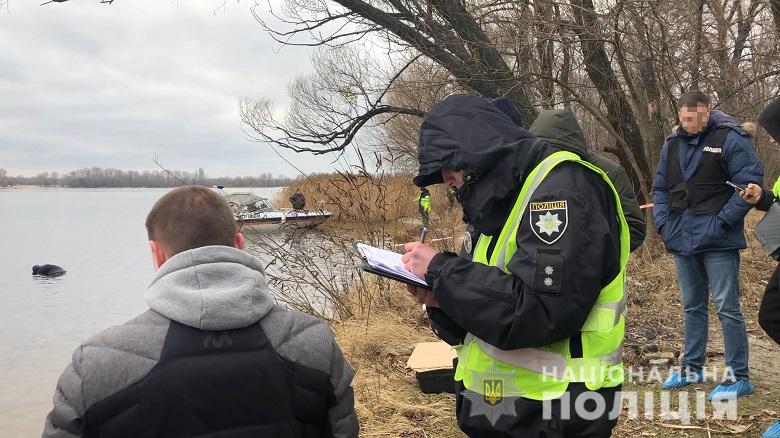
260 214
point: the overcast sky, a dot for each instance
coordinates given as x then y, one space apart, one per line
84 84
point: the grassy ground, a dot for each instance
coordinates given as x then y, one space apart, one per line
379 340
378 343
386 325
655 316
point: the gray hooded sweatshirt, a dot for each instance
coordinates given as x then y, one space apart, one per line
208 288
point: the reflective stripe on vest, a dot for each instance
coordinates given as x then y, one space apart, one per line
545 372
539 361
776 188
605 315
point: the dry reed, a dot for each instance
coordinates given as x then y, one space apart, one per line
378 323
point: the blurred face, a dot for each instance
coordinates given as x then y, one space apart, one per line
694 119
452 178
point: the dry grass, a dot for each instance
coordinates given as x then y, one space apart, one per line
380 209
385 323
378 342
358 195
655 317
654 312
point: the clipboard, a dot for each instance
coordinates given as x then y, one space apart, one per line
768 231
407 277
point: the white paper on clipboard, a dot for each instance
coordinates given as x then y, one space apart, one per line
387 261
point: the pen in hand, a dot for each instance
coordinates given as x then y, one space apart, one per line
432 240
422 234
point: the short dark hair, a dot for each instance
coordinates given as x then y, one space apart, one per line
692 99
190 217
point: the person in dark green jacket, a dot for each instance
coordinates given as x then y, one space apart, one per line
560 128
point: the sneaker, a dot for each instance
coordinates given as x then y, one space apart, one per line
773 431
730 389
683 379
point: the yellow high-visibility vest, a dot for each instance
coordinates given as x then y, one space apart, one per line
544 373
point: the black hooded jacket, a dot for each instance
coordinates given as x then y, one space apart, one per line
468 133
769 313
551 287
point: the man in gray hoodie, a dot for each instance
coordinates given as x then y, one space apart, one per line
214 355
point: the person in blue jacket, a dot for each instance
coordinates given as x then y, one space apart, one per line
701 220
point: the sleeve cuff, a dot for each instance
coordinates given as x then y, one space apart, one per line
434 268
767 197
445 327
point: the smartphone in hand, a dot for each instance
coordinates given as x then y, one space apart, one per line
740 188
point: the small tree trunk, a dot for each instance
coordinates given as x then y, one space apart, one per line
619 113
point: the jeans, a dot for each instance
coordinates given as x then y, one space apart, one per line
717 271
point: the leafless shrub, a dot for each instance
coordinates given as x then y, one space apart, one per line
317 271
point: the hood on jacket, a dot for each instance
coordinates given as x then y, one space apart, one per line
505 105
560 128
770 119
211 288
468 133
463 131
722 119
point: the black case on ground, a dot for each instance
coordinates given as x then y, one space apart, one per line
436 381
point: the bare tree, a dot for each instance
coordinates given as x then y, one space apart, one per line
630 61
775 7
330 106
423 84
619 64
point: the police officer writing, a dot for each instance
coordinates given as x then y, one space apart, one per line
537 301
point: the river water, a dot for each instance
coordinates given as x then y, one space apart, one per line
98 236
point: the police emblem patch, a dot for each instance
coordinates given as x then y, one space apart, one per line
549 220
494 391
467 246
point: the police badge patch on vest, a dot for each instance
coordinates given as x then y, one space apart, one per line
549 220
467 244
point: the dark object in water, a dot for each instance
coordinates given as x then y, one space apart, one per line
48 270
